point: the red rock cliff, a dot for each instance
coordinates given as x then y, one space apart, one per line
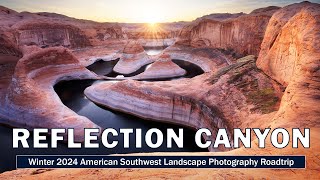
242 35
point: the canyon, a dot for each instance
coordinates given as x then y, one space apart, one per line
257 70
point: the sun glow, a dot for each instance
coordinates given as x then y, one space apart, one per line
152 25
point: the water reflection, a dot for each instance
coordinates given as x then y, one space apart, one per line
154 50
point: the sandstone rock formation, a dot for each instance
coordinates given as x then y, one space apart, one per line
290 53
8 47
30 100
227 98
50 34
220 16
49 29
291 42
133 58
208 59
161 69
242 35
133 47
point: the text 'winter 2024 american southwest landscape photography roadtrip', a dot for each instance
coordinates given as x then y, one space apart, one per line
159 89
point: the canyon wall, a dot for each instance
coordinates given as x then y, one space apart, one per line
50 29
241 35
291 42
46 34
290 54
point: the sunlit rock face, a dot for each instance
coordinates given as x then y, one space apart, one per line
132 59
50 29
49 34
31 102
291 42
290 54
162 68
133 47
156 42
155 103
241 35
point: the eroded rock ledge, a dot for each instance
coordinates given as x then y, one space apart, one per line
31 101
161 69
133 58
152 103
232 97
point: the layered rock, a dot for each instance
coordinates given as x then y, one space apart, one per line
242 35
46 34
232 97
291 42
208 59
290 54
156 42
153 103
161 69
133 47
220 16
50 29
10 53
8 47
133 58
31 102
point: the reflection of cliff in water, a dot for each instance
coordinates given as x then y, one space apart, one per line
192 69
154 50
103 67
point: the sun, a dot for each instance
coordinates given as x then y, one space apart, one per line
152 20
152 24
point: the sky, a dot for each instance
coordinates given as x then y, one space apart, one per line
140 11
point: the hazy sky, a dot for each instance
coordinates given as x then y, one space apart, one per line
140 10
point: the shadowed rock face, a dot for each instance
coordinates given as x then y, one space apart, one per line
7 47
242 35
